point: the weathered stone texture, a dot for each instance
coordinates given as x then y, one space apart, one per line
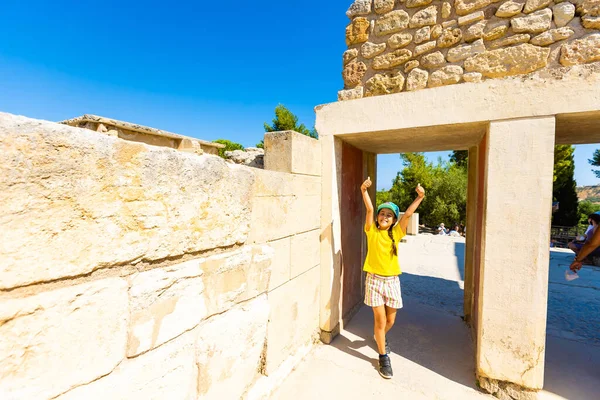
472 77
510 61
417 79
350 94
496 31
424 48
422 35
448 75
305 252
234 277
74 201
56 340
391 60
349 55
509 9
589 22
417 3
474 32
383 6
536 22
534 5
581 51
471 18
359 7
563 13
427 16
353 73
399 40
446 10
165 302
294 304
433 60
168 372
370 50
509 41
464 7
384 84
589 7
357 31
410 65
463 52
552 36
229 349
391 22
436 31
449 38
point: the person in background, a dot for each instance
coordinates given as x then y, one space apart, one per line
590 248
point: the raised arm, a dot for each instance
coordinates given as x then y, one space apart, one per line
585 251
412 208
369 218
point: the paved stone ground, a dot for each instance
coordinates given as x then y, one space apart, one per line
432 352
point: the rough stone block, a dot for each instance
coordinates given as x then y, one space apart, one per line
433 60
463 52
370 50
536 22
353 73
391 22
292 152
417 79
471 18
236 276
357 31
56 340
351 94
305 252
464 7
384 6
295 304
164 303
293 214
229 350
534 5
581 51
427 16
552 36
509 9
399 40
281 265
85 201
168 372
381 84
446 76
510 61
359 7
391 60
563 13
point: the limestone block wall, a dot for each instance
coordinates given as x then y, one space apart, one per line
138 272
407 45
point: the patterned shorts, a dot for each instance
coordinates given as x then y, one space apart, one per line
380 290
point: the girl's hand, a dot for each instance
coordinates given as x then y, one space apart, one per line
420 191
366 184
576 266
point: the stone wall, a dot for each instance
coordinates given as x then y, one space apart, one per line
138 272
407 45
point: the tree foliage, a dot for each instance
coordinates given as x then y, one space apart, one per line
445 184
564 188
229 146
595 161
285 120
460 157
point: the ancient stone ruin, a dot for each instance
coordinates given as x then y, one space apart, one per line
396 46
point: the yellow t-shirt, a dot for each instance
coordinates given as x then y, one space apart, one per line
380 259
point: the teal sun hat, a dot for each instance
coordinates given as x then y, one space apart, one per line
391 206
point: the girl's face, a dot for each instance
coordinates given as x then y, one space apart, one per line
386 218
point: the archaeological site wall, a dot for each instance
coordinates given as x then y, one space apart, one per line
407 45
132 271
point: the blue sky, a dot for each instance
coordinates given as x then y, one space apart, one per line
204 69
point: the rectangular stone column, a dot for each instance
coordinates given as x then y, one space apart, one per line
331 260
513 286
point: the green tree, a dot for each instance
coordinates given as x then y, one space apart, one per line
586 208
564 188
229 146
595 161
460 157
285 120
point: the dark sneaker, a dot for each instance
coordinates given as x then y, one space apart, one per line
385 367
387 345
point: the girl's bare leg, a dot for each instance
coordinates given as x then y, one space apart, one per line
380 322
390 314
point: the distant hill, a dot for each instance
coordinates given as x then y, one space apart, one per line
589 193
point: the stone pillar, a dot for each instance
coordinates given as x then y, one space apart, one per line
413 224
513 286
280 157
331 286
471 233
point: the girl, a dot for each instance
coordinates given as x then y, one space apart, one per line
382 284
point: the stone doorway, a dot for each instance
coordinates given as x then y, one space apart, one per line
510 128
